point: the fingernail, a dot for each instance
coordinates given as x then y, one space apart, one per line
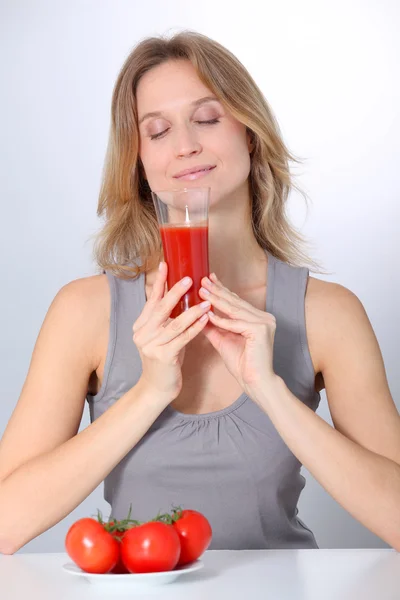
186 281
206 292
205 304
204 317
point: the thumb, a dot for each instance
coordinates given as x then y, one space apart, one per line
214 335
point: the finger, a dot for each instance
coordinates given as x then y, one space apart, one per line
215 335
162 309
221 291
159 306
189 334
245 328
157 293
185 320
233 309
160 283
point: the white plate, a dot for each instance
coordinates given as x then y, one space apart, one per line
133 580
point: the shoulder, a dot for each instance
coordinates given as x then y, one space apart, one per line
333 314
84 285
84 305
84 294
325 295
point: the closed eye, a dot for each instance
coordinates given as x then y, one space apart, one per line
210 122
156 136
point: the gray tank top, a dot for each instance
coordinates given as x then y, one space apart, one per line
231 465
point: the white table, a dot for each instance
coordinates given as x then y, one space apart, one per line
227 575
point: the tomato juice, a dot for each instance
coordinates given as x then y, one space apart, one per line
186 253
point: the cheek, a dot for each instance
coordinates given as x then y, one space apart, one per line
235 160
237 154
237 149
154 164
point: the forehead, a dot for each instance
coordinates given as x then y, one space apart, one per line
169 86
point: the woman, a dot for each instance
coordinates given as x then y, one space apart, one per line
215 409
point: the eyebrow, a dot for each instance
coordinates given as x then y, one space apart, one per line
196 103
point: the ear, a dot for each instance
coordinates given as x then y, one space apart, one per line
250 140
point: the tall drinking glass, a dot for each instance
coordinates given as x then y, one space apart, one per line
183 221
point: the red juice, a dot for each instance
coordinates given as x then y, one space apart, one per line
186 253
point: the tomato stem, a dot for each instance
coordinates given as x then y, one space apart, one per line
114 525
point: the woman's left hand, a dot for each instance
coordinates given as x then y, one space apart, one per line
244 340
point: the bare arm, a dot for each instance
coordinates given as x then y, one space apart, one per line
41 455
358 460
58 481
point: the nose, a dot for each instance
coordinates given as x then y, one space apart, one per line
187 143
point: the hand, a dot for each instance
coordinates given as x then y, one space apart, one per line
161 340
244 340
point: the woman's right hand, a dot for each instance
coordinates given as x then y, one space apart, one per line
161 340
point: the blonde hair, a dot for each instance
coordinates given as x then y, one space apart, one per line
129 243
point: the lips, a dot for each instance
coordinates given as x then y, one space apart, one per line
199 169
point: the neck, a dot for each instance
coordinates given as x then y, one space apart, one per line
235 256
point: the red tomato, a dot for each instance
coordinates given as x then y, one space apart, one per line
195 535
91 547
120 568
151 547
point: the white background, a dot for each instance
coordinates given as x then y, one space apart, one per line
330 71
